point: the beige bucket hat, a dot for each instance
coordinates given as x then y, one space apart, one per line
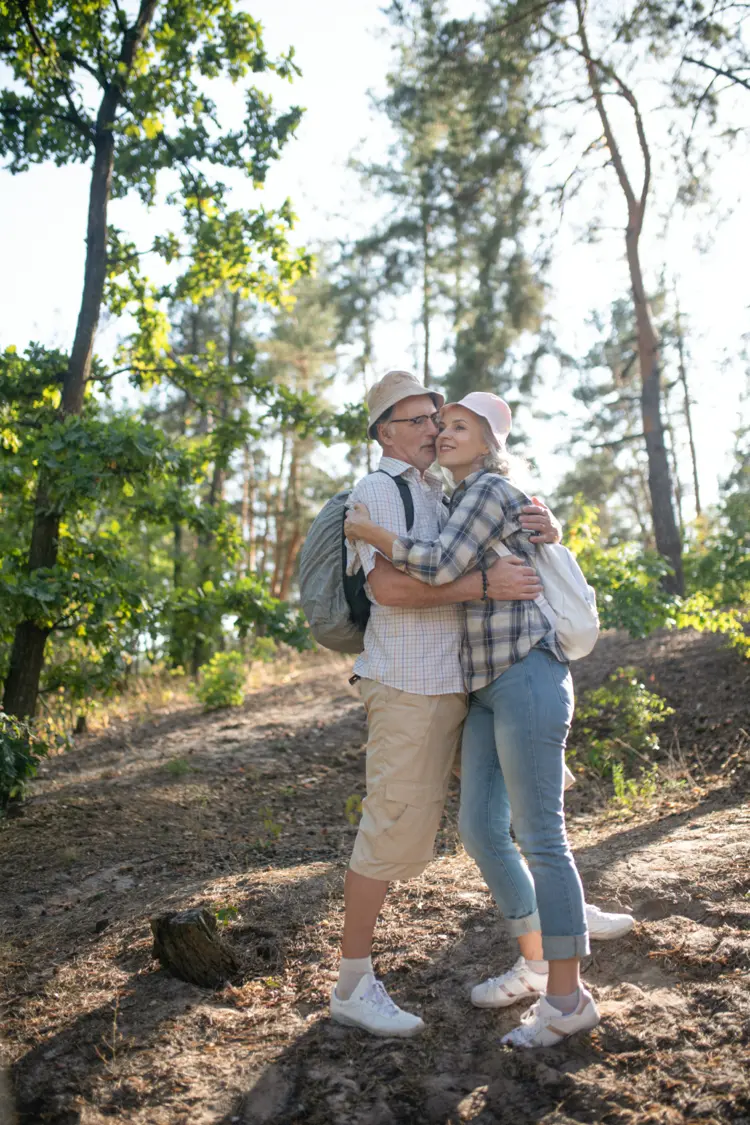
392 388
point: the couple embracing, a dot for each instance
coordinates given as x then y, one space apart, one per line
458 654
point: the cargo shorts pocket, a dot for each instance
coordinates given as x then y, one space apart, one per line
411 814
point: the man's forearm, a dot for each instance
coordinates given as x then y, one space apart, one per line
392 588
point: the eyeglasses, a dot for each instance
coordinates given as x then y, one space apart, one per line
419 420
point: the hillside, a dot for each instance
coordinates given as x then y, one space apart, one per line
246 809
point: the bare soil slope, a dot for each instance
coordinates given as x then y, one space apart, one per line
246 809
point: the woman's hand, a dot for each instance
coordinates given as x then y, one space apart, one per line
357 522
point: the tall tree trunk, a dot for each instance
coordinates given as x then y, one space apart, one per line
27 654
279 517
293 548
201 648
426 293
368 442
673 463
218 477
666 533
248 511
639 509
458 272
176 641
216 491
294 522
262 547
687 410
365 363
199 654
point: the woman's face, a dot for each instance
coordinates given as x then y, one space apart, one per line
460 441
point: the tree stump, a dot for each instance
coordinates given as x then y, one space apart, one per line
188 945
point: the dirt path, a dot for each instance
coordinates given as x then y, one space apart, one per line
246 809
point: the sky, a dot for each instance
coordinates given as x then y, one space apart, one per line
343 54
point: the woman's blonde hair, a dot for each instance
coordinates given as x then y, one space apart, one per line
497 460
505 464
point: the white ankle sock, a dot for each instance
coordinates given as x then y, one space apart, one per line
351 971
565 1004
541 967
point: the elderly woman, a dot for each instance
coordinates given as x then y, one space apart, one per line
521 706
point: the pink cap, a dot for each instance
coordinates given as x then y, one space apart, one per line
492 408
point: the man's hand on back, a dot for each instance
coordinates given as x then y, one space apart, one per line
538 519
510 580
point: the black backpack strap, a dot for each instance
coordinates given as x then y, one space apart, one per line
406 498
354 584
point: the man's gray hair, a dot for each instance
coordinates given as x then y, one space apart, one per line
384 417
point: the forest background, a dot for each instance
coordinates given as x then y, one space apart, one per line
544 200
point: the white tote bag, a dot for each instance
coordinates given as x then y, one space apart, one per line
568 602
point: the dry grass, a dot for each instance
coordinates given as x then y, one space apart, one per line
113 833
161 691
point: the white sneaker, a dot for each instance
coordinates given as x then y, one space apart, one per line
605 927
519 983
544 1026
371 1008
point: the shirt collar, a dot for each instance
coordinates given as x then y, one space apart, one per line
466 483
396 468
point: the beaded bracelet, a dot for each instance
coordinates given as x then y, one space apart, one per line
484 585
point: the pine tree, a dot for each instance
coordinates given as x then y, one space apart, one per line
459 203
611 469
298 355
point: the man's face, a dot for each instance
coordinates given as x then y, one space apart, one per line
410 432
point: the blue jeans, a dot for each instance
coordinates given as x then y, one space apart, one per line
512 767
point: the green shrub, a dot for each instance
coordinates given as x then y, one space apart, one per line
613 723
633 791
264 649
718 560
626 578
700 611
222 681
21 749
226 914
629 594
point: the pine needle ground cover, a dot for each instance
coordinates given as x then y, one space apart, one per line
254 826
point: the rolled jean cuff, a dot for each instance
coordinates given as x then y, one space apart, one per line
562 948
527 925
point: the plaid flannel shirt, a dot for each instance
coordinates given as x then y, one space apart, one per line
484 510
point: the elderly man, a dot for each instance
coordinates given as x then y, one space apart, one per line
412 688
411 685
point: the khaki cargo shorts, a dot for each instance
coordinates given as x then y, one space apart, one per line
411 747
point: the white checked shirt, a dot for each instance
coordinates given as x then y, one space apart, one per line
414 650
